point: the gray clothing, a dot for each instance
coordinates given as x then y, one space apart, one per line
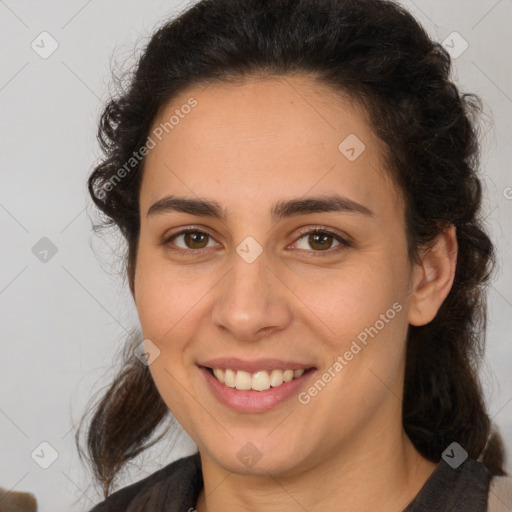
176 487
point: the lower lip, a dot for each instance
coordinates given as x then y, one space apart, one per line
254 401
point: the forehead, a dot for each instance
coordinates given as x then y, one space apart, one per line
265 139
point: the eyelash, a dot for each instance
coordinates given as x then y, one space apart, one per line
314 253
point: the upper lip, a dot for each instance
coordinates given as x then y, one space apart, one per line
254 366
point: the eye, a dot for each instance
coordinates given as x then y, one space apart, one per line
192 238
321 240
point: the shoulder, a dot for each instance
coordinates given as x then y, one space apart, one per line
500 494
463 487
174 481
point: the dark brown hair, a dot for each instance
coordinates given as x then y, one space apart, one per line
376 52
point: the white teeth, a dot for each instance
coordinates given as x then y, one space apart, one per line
276 378
219 374
229 378
288 375
259 381
243 380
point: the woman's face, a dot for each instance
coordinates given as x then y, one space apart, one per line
252 292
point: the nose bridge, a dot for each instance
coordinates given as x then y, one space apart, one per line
250 301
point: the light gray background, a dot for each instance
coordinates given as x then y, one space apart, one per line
64 319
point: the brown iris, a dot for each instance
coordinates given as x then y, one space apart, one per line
195 238
315 239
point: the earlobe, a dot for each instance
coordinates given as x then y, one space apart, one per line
433 277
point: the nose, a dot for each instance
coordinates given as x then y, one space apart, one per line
252 301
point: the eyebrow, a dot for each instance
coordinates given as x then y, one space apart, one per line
280 209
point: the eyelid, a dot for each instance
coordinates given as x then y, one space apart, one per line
323 229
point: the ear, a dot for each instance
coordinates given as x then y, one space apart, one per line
433 277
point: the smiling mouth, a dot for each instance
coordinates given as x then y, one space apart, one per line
257 381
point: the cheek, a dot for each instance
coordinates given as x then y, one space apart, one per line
165 295
354 298
168 302
366 311
363 365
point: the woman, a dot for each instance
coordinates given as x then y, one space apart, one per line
297 184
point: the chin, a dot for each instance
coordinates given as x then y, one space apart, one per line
257 454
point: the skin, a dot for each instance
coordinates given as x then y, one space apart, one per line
248 145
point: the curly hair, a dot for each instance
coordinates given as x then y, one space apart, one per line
377 53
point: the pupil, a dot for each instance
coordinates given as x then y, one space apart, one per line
319 238
196 237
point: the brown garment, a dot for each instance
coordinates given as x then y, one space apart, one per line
12 501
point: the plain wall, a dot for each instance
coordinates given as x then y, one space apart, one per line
63 319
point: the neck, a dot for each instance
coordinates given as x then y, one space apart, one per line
358 478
